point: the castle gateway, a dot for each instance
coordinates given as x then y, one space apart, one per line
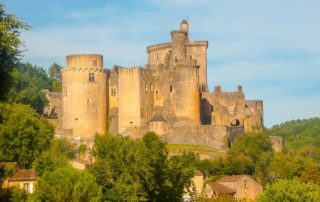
169 96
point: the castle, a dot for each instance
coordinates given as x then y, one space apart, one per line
169 96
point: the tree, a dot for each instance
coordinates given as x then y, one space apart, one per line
67 184
24 135
287 166
27 86
140 170
55 77
290 191
10 49
56 157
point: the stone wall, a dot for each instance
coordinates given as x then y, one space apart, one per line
218 137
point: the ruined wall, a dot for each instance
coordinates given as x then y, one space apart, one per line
223 108
254 116
84 96
277 143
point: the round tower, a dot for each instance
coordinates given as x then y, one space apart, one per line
84 95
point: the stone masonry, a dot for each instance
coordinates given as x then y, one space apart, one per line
169 96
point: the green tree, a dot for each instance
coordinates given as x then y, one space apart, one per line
10 48
24 135
290 191
55 77
55 157
140 170
67 184
287 166
28 83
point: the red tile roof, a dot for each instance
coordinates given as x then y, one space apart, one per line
23 175
219 188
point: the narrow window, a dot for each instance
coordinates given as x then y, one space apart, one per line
94 63
245 184
170 88
151 87
91 77
157 56
113 92
146 88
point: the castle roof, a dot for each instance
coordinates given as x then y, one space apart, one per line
157 117
219 188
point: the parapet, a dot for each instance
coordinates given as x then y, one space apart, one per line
84 61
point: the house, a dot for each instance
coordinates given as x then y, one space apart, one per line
245 187
214 190
22 179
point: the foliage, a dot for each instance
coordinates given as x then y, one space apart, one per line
55 77
23 133
28 83
56 157
298 133
140 170
290 191
67 184
10 49
287 166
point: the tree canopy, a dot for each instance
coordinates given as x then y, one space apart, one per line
23 133
67 184
10 48
290 190
140 170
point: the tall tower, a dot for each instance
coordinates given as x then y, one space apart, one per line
84 96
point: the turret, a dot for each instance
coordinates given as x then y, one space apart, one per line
184 25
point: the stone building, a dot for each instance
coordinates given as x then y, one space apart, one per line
245 187
169 96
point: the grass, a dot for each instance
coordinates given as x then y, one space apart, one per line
203 151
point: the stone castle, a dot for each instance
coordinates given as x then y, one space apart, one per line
169 96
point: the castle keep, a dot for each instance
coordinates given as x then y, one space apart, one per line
169 96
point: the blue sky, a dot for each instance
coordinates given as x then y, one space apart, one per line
270 47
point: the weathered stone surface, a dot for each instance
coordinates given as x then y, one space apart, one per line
173 86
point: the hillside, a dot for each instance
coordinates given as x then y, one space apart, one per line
298 133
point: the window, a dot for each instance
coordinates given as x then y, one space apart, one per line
170 88
113 92
94 63
146 88
245 184
151 87
91 77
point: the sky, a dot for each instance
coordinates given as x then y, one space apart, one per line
270 47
